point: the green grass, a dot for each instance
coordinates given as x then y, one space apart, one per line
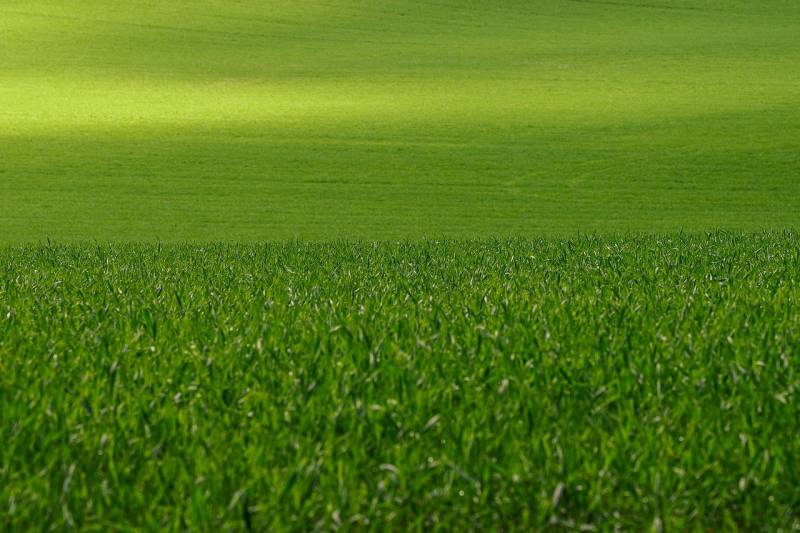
163 368
396 119
631 382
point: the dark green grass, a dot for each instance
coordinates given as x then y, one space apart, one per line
632 382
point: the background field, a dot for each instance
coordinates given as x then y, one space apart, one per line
591 384
268 120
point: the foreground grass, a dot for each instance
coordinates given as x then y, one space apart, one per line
630 382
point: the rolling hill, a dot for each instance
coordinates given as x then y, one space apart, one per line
245 120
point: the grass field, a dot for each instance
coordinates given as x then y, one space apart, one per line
400 265
396 119
593 383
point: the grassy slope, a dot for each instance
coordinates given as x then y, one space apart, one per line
254 120
621 383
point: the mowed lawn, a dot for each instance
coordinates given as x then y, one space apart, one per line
396 119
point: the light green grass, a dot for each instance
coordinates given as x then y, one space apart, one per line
268 120
630 383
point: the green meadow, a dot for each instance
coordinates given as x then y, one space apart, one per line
418 265
396 119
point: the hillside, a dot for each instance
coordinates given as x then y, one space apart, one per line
245 120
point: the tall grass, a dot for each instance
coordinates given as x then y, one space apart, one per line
632 382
